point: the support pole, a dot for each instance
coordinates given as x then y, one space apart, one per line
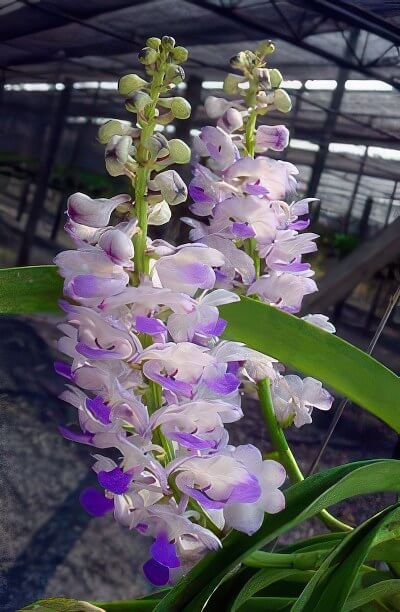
364 221
392 199
46 165
330 123
347 218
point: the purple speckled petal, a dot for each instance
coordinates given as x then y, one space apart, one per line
197 194
75 436
155 572
199 274
246 492
99 409
256 189
299 225
64 369
219 327
116 480
95 503
164 552
243 230
191 441
223 384
96 353
149 325
177 386
91 286
204 500
296 266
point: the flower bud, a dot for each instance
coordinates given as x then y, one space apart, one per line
266 47
147 56
231 83
109 129
231 120
130 83
179 54
136 102
180 108
175 74
158 146
275 77
159 213
153 42
238 60
263 76
168 42
171 186
179 151
282 101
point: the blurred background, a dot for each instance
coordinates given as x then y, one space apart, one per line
59 65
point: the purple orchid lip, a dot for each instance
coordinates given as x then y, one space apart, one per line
99 409
164 552
95 502
76 436
64 369
115 480
156 573
149 325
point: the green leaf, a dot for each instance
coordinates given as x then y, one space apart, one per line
262 579
303 500
29 290
382 590
267 604
315 352
130 605
330 586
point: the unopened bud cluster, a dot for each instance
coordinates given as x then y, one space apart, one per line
264 82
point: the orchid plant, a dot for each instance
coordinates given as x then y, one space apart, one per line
159 358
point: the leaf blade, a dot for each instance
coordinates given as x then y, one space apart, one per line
312 351
32 289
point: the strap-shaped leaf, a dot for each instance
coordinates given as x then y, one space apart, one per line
330 587
29 290
316 353
382 590
303 500
263 579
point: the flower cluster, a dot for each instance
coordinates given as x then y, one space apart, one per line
252 216
153 384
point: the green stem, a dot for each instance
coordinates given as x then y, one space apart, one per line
143 170
286 457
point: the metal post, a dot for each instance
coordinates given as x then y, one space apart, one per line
46 164
347 218
364 221
330 123
392 199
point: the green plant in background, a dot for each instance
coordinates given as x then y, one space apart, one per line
159 338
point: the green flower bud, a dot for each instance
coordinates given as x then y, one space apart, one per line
153 42
231 83
266 47
263 76
275 78
137 102
168 42
158 146
130 83
147 56
180 54
175 74
180 108
165 118
109 129
282 101
179 151
238 60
